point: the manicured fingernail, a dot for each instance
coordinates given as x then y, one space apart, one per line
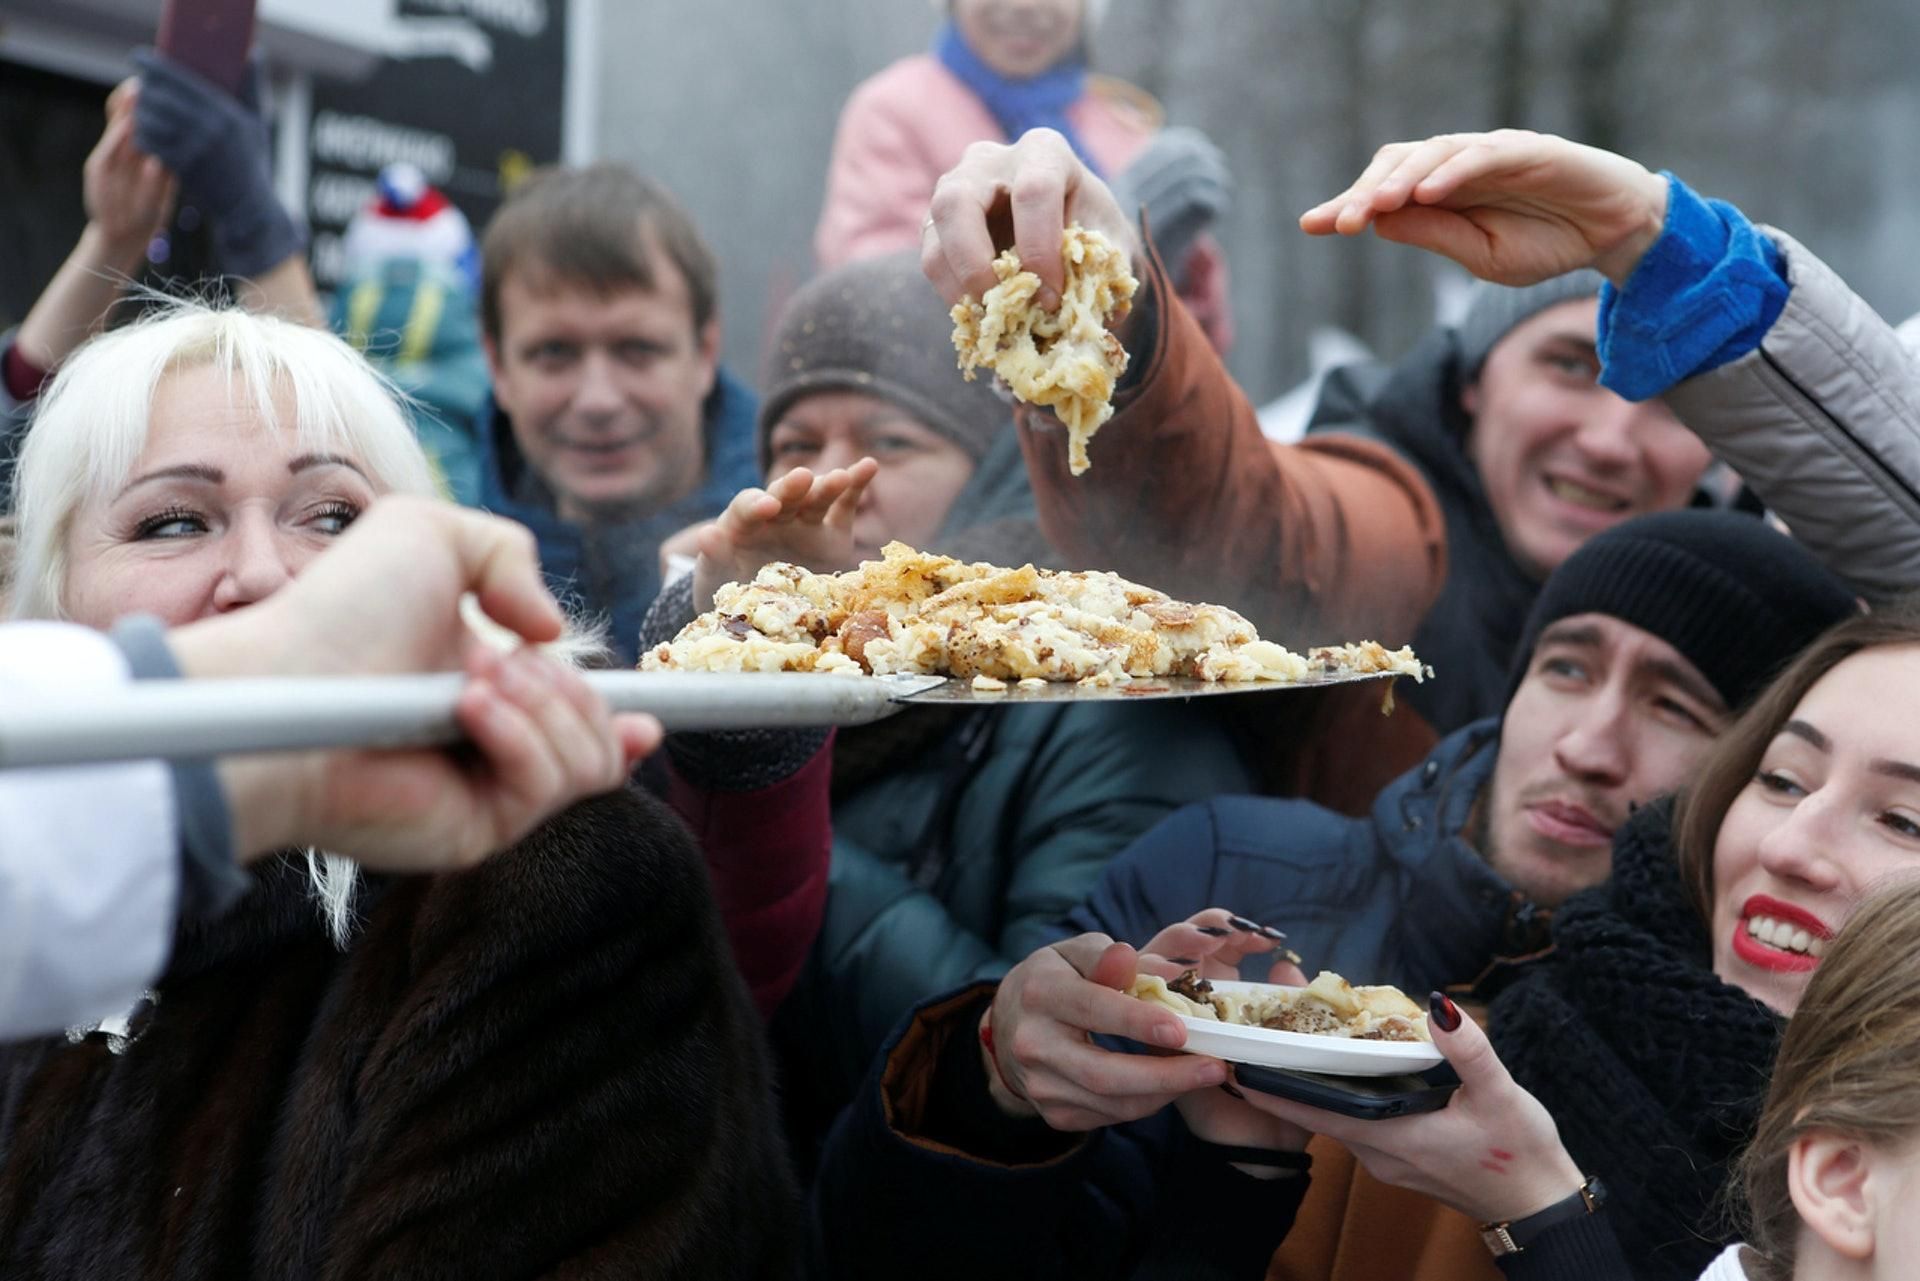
1229 1087
1278 936
1242 923
1442 1010
1213 931
1183 960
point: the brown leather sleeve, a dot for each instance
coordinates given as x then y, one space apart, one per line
1336 539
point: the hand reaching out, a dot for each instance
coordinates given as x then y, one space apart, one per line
1215 941
801 517
1510 206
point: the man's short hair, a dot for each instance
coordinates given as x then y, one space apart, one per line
590 228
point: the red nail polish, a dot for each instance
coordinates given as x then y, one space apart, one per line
1442 1010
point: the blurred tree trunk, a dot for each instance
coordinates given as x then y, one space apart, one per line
1601 85
1512 83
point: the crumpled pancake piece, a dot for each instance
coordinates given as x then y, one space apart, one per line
1064 360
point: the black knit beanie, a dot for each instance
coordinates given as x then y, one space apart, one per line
1737 598
878 327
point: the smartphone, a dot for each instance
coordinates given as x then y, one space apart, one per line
1370 1098
211 37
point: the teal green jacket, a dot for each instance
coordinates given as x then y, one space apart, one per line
964 858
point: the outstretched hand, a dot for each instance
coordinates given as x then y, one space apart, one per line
802 517
1493 1152
1510 206
1214 941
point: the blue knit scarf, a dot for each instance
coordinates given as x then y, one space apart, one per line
1019 105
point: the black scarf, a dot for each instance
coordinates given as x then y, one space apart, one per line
1653 1068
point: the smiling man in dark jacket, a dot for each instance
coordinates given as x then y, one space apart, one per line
611 425
1639 648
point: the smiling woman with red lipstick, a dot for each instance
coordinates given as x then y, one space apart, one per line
1646 1032
1811 802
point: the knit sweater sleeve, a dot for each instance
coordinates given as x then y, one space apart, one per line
1334 538
1704 295
1582 1249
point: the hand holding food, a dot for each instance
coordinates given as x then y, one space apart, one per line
1021 196
1063 357
1037 1040
1492 1153
801 517
1510 206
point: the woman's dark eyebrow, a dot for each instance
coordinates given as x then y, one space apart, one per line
1802 730
306 461
1897 769
185 471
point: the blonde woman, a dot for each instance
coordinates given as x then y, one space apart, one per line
542 1064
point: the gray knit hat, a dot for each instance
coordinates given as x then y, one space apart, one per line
877 327
1494 311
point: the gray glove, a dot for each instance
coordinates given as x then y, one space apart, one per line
1182 184
217 146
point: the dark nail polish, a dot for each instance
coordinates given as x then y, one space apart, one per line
1213 931
1228 1086
1242 923
1278 936
1183 960
1442 1010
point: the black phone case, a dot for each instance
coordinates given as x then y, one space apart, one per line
1369 1098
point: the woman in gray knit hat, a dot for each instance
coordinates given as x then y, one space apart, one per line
959 835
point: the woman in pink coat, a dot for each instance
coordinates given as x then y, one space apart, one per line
997 69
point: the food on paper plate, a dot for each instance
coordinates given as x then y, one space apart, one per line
1328 1006
1064 360
915 613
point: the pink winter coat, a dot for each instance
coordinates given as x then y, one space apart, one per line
909 124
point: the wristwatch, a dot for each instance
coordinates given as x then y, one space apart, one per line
1515 1235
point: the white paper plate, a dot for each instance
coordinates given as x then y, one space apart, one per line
1333 1054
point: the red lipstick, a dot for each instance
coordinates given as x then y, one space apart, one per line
1765 956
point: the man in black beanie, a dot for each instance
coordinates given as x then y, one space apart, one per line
1637 654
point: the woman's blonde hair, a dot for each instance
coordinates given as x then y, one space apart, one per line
92 423
1846 1064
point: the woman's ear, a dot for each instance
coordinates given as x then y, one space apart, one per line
1830 1179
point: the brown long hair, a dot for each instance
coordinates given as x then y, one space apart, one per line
1735 758
1846 1064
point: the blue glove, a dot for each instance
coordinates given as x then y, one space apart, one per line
217 146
